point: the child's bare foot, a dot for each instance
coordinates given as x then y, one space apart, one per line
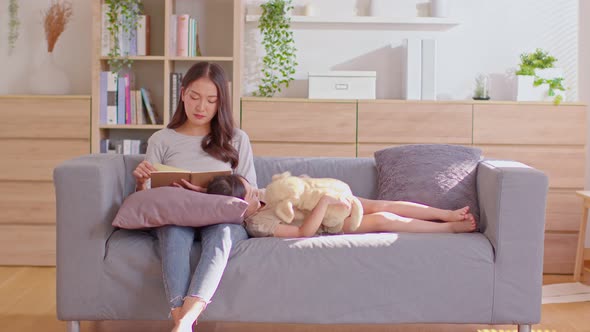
457 215
466 226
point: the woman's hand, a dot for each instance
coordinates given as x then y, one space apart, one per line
142 173
187 185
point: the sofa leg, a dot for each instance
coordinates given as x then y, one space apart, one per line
524 328
73 326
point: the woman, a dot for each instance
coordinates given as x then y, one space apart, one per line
379 216
200 137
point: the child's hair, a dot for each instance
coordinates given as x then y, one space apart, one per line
227 185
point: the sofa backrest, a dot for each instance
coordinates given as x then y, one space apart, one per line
359 173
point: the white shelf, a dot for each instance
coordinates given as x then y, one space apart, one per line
406 21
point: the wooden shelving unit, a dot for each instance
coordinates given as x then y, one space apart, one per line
220 34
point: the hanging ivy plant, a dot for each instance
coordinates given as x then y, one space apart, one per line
123 19
278 65
13 24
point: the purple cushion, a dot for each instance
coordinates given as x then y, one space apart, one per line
176 206
438 175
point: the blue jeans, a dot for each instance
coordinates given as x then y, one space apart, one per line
175 248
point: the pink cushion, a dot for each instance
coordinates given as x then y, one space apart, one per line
175 206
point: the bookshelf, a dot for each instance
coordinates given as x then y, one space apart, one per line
220 38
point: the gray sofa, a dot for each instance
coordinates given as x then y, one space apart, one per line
492 277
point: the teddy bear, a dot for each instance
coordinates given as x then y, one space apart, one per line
290 195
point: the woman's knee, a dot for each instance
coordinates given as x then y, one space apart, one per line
227 232
179 235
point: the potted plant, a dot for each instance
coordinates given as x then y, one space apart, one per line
13 24
123 20
278 65
538 80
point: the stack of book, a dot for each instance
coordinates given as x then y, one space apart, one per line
184 37
121 103
175 84
123 146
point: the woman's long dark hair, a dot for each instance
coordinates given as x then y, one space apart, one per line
218 142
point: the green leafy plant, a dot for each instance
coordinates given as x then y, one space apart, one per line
122 16
541 60
554 84
278 65
13 24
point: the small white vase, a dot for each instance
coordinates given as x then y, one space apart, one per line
48 78
439 8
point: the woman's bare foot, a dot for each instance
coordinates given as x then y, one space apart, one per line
465 226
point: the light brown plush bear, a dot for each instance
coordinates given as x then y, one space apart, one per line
289 194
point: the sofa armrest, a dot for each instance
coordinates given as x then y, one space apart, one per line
89 191
512 200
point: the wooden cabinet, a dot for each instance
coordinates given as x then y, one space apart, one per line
548 137
36 134
553 140
292 127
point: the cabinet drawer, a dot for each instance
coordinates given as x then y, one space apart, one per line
27 202
564 211
382 122
560 253
27 245
35 159
303 150
565 166
44 118
529 124
283 121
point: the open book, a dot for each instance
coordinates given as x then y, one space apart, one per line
166 175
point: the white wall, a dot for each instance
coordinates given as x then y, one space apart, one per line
488 40
72 50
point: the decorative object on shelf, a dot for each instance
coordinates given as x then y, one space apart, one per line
123 20
49 77
392 8
13 24
342 85
439 8
280 60
482 87
309 9
537 79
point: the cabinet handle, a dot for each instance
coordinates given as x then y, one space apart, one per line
341 86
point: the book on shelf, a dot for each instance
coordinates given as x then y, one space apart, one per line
149 106
175 83
184 36
167 175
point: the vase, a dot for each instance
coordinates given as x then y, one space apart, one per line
527 91
48 78
439 8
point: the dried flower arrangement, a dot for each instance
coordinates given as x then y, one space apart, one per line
13 24
56 18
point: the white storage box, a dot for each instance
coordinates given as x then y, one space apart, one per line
342 85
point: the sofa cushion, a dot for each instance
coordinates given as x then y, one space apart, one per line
169 205
438 175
